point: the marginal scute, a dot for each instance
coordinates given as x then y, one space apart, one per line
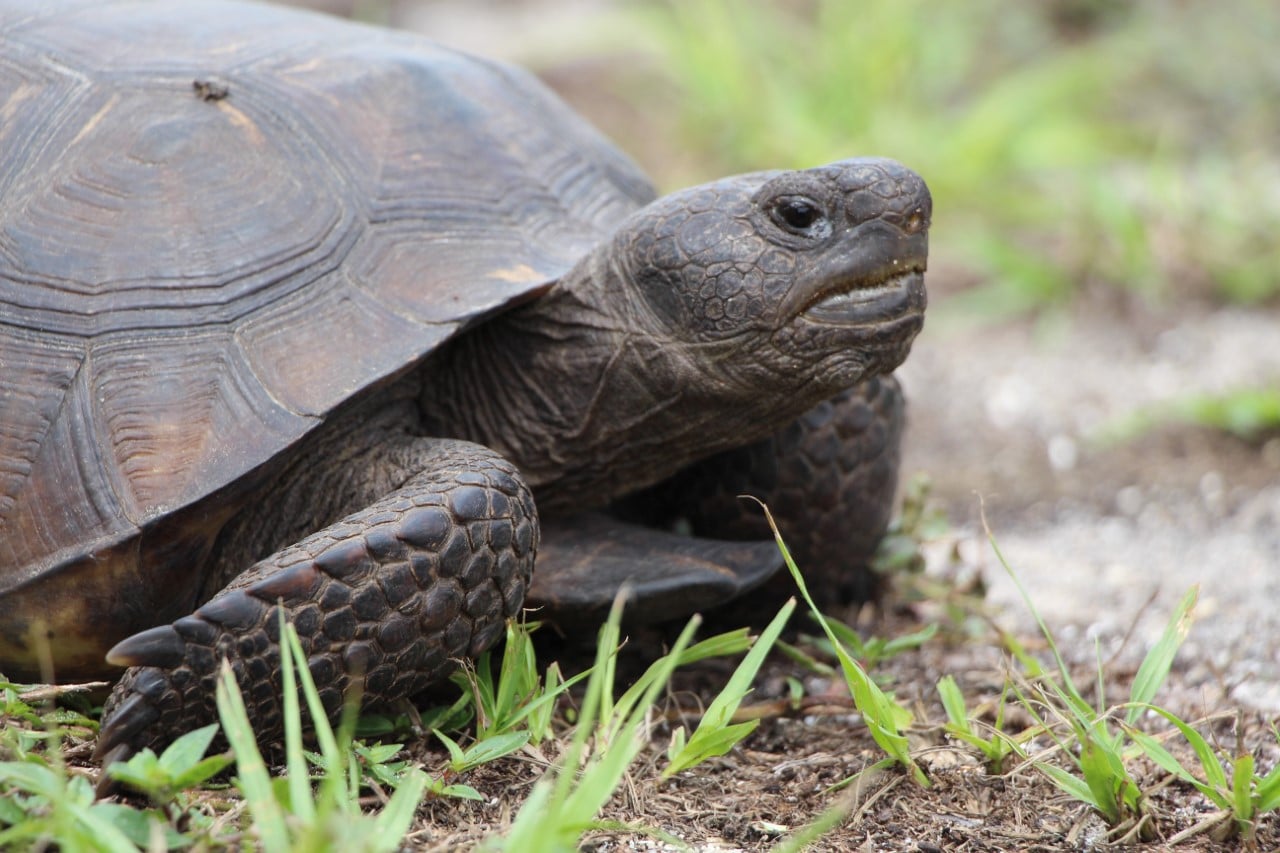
174 412
361 338
35 383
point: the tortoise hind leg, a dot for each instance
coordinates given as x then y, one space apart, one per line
393 594
829 479
587 559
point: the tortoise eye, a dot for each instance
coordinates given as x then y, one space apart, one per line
796 214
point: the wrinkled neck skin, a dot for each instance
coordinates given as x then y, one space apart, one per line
586 392
712 316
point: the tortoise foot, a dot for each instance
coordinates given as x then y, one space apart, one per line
386 600
828 478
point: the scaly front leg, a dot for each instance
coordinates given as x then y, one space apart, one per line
394 594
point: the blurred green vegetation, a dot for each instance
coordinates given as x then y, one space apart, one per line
1070 144
1250 414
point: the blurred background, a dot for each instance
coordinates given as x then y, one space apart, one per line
1101 363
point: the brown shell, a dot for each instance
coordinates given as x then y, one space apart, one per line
219 221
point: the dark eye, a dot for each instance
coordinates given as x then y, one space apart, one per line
797 214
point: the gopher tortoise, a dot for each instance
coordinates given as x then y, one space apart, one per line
301 313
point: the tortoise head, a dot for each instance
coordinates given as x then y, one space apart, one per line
710 318
815 274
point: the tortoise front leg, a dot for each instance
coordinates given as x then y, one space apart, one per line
394 594
828 478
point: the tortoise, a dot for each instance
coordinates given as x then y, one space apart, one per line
299 313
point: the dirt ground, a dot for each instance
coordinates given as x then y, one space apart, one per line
1012 414
780 780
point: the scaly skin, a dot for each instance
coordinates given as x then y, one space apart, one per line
828 478
394 594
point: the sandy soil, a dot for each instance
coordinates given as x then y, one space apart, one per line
1012 414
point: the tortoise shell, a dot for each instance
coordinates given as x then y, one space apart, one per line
209 243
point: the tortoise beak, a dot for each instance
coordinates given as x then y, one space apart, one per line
874 276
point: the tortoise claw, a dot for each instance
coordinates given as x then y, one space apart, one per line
160 646
115 740
108 786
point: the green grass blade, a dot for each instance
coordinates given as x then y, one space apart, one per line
1103 783
1156 665
516 674
187 750
539 713
721 645
883 716
953 704
538 710
599 781
456 757
1072 786
598 703
254 780
1268 791
713 736
912 640
297 776
489 749
397 815
1242 790
334 758
1268 787
1075 700
1209 763
1165 760
564 803
556 826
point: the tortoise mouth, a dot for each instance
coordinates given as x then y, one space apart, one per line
892 292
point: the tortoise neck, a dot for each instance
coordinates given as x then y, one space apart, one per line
569 388
588 398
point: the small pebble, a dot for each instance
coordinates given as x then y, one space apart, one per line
1063 452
